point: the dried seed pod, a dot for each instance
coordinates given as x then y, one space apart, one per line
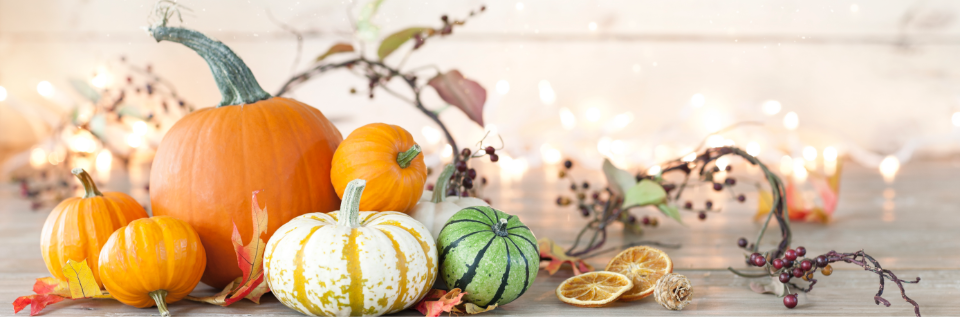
673 291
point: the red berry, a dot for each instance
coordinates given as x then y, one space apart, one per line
584 211
465 152
741 198
742 242
759 261
461 166
702 215
822 261
708 205
567 163
586 185
467 183
729 168
801 251
472 173
494 158
489 150
688 205
717 186
797 272
806 265
429 186
753 257
785 277
778 263
790 255
646 220
790 301
730 181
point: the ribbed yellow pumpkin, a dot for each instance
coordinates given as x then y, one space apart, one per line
349 262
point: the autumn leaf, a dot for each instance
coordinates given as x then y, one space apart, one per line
250 285
618 180
37 302
81 280
557 257
462 93
440 301
393 41
335 49
471 309
51 286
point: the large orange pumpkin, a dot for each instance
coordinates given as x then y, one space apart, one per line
387 157
152 261
209 162
78 227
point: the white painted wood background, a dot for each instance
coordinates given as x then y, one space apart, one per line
871 73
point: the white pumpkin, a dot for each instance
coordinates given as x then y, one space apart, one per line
349 262
435 208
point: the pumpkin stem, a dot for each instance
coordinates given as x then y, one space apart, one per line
500 228
89 187
349 215
160 297
404 158
440 190
236 82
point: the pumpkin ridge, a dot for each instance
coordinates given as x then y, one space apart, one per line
484 214
351 254
404 272
431 274
528 241
454 245
467 277
526 275
299 282
506 276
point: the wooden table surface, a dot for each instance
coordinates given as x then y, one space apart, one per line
910 226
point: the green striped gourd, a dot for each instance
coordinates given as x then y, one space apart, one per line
488 254
351 263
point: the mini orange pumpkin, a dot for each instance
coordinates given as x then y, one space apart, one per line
152 261
78 227
387 157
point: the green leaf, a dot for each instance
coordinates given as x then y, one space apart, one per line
670 211
644 193
366 30
618 179
393 41
336 48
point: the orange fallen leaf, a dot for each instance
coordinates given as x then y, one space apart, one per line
557 257
49 290
37 302
250 285
439 301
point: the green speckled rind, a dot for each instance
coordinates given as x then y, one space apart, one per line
492 269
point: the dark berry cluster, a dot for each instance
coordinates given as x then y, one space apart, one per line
599 202
793 264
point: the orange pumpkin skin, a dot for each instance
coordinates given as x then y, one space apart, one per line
78 227
212 159
370 152
151 254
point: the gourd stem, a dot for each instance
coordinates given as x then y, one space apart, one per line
349 215
440 189
89 187
404 158
500 228
160 297
236 82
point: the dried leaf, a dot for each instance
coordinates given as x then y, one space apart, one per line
646 192
393 41
773 287
440 301
37 302
557 257
471 309
81 280
250 260
335 49
764 203
51 286
462 93
618 179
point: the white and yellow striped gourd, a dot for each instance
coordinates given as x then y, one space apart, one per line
351 263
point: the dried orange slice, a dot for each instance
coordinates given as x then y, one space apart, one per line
593 289
644 266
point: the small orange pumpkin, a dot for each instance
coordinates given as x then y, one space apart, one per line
152 261
78 227
387 157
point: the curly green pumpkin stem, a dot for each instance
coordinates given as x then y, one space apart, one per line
160 297
349 215
404 158
89 187
440 190
500 228
236 82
